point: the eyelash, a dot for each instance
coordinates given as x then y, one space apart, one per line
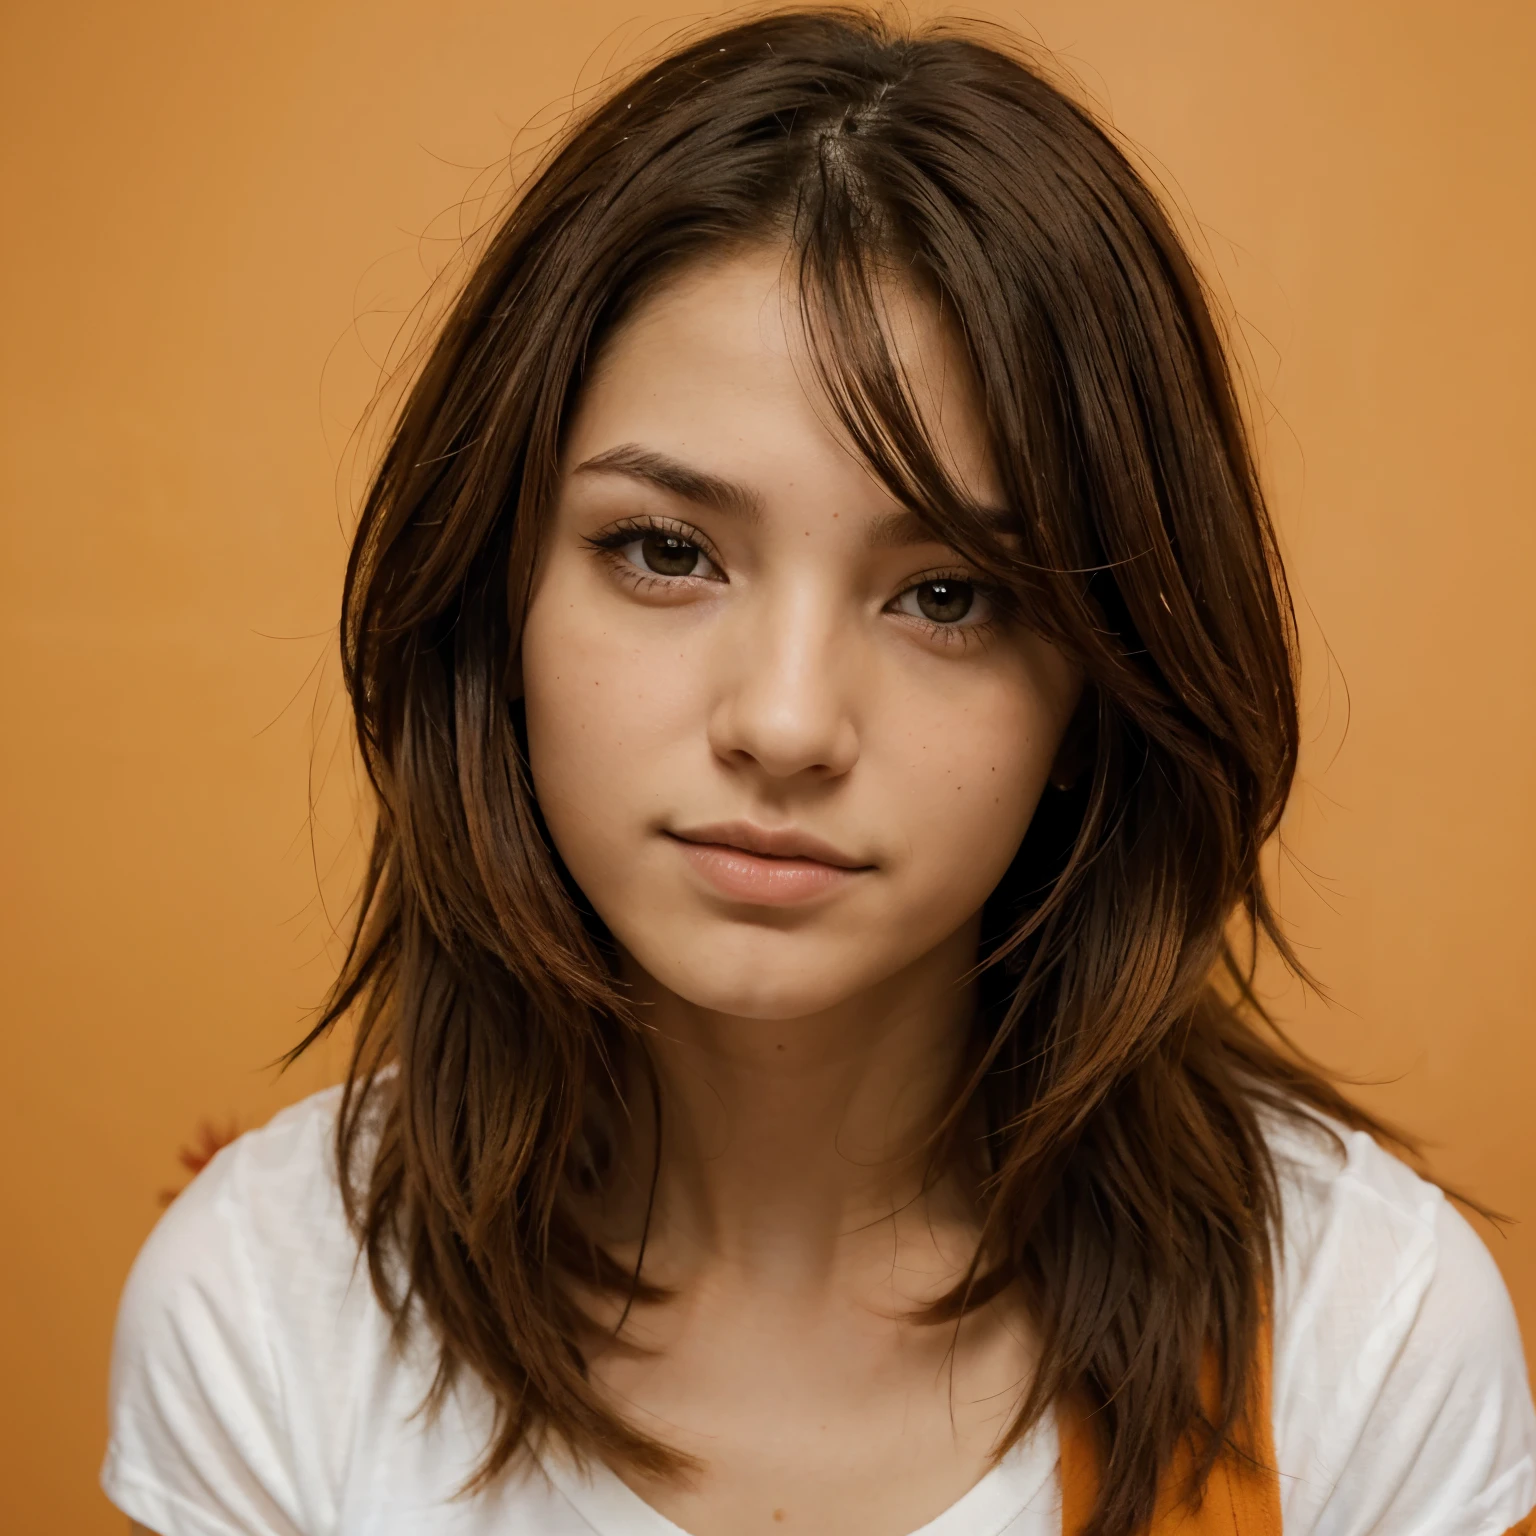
612 541
954 634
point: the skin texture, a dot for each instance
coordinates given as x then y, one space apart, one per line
790 684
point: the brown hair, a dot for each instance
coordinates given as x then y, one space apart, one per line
1131 1199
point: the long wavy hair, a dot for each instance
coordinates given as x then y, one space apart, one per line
1120 1062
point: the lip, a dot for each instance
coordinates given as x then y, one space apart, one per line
766 867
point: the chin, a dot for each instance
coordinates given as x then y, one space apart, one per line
762 996
768 981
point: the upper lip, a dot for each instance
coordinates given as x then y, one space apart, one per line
773 843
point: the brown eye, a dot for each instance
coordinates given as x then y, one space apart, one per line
666 554
946 601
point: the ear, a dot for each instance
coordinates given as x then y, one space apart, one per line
1078 742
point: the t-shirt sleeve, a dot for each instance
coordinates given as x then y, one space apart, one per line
1402 1406
198 1441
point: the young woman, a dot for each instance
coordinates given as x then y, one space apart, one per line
819 647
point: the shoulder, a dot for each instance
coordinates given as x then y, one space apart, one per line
1399 1376
261 1223
258 1388
1370 1244
246 1307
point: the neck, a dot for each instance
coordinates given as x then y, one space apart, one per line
785 1141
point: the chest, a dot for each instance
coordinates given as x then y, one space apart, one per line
830 1421
834 1437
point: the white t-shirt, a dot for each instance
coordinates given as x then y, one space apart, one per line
255 1390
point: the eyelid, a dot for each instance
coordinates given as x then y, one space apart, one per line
956 572
960 633
1003 600
628 530
986 589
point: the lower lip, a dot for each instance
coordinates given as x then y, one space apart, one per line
764 882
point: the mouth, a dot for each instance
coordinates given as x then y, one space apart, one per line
763 867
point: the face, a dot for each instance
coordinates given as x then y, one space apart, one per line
781 738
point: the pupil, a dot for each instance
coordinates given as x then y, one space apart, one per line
945 602
668 555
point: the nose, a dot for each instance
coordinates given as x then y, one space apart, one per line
786 693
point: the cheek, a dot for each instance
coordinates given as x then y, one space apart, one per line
599 705
976 776
969 770
574 711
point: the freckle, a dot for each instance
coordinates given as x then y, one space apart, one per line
778 1047
778 1514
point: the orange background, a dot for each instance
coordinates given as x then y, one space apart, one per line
216 218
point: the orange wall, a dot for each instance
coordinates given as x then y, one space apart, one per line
214 217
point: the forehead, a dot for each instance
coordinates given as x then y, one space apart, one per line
715 368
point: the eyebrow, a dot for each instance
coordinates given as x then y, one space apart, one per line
896 529
669 474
